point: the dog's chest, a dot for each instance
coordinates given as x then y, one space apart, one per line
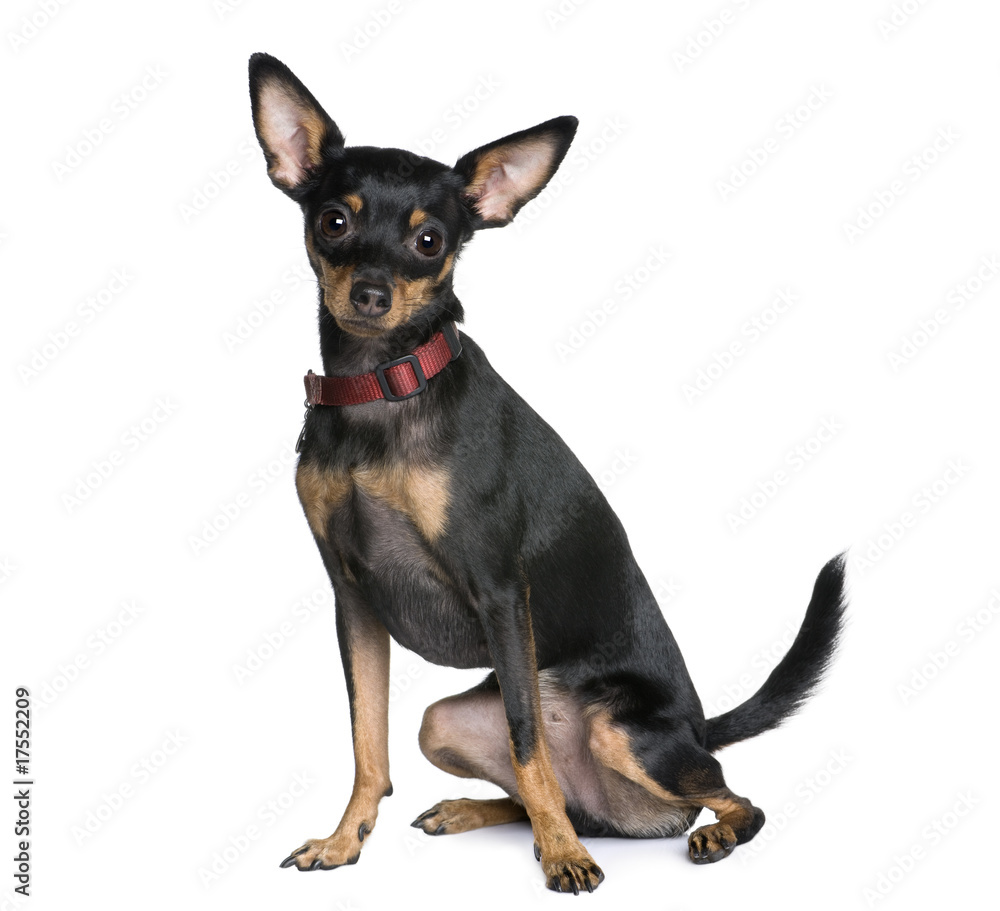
417 493
382 522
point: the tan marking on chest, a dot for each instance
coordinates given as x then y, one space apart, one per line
320 492
418 492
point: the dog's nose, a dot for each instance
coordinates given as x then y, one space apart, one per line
371 298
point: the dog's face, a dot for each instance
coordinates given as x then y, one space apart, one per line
383 227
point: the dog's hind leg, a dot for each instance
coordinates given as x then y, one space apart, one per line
466 735
682 773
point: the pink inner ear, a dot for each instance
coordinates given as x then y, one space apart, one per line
513 175
292 152
284 127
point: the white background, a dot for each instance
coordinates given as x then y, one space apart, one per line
176 197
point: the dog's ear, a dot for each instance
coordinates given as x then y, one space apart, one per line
502 176
292 128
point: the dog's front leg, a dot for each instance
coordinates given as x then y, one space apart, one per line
364 648
567 865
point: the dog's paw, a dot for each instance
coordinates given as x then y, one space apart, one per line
449 817
464 814
572 873
711 843
324 854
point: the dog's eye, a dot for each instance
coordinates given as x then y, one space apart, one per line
429 242
333 223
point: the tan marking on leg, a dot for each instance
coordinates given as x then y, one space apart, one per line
320 492
738 821
368 644
449 817
354 202
611 747
566 863
418 217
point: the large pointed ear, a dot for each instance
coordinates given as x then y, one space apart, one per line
292 128
502 176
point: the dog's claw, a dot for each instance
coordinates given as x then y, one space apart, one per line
318 862
538 852
710 844
288 861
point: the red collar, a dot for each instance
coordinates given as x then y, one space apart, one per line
395 380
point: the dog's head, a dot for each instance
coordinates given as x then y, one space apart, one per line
383 227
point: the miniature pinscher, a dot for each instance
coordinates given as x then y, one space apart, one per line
452 518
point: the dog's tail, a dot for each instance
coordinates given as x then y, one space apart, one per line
798 673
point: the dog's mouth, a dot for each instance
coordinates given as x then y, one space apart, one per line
364 326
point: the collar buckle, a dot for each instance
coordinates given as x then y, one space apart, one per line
418 373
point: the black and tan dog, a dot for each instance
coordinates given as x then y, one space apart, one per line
451 517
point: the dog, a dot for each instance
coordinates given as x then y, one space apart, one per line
452 518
